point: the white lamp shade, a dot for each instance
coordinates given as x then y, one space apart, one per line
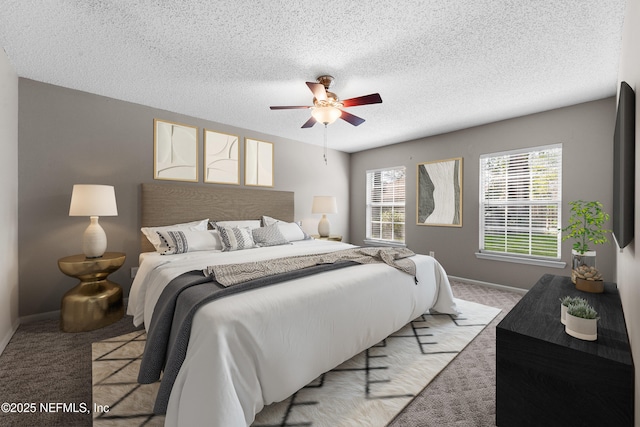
93 200
324 205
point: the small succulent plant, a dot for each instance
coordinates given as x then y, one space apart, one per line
587 272
568 300
583 310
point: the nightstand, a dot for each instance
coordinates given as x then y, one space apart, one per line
95 302
333 237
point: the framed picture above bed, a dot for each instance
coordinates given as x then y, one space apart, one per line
439 198
221 154
258 163
175 151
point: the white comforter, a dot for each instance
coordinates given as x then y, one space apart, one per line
259 347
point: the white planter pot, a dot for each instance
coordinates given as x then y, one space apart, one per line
584 329
587 258
563 314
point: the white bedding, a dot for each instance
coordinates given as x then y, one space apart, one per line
259 347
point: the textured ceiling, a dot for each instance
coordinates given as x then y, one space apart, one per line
439 65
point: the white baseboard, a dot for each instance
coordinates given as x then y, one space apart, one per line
5 340
490 285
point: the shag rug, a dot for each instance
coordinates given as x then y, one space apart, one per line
368 390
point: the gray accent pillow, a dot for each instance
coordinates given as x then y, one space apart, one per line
291 231
269 236
267 221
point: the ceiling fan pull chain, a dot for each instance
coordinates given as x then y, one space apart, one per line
325 143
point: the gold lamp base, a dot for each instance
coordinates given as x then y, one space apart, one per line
95 302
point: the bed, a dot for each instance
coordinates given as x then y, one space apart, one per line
258 347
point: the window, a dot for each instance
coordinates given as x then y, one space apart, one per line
520 202
385 204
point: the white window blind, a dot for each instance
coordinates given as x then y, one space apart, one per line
386 204
520 202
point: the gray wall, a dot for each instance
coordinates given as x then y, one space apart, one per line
586 132
8 201
70 137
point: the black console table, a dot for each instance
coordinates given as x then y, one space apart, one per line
546 377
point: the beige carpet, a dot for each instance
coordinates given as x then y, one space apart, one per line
368 390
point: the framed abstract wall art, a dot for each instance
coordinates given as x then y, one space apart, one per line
439 188
258 163
221 153
175 151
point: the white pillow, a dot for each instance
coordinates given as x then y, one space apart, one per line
247 223
292 231
152 235
182 241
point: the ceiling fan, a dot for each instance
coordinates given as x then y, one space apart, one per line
327 107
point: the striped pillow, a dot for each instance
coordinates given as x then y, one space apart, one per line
151 233
236 238
182 241
172 242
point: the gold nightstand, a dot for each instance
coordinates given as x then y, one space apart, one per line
95 302
333 237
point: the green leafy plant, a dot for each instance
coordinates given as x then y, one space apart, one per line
568 300
586 225
583 310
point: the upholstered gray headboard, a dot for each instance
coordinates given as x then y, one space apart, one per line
166 204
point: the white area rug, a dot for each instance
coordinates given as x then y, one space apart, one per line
367 390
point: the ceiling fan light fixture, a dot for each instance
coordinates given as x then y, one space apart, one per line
326 115
327 107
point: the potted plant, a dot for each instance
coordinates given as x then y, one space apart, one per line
586 226
565 302
582 321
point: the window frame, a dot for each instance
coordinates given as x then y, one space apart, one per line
369 205
548 261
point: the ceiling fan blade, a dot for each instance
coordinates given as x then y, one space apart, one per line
354 120
374 98
289 107
309 123
318 91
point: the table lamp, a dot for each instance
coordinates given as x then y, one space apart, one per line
324 205
93 201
